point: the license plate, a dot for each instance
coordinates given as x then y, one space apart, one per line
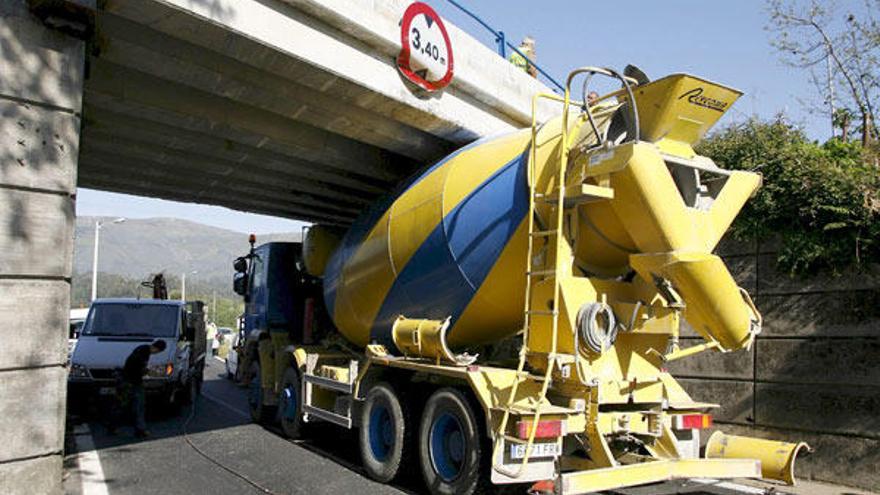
518 450
106 391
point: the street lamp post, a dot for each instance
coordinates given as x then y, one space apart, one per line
183 284
98 225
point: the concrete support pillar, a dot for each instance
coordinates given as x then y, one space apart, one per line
41 81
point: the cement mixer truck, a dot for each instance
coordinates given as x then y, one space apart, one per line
583 245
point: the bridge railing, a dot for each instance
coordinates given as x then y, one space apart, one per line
503 44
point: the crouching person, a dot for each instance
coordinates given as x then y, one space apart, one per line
131 386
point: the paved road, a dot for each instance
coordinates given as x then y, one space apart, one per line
327 463
221 427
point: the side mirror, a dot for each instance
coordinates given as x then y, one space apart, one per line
240 264
240 283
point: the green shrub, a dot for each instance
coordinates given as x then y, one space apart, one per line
820 199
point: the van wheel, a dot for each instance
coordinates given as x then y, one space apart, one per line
384 433
259 411
451 445
290 405
190 391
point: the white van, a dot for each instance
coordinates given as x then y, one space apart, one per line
77 319
112 330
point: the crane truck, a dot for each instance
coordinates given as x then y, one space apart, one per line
585 241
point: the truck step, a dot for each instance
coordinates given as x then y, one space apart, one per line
329 416
328 383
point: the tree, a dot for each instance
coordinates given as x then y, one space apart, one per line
838 48
822 201
842 119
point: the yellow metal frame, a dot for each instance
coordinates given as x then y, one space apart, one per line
634 199
776 458
501 436
596 480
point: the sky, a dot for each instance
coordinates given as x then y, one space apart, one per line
721 41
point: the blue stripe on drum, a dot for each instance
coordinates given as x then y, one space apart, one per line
446 271
366 222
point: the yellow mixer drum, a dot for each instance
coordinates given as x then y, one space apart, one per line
450 243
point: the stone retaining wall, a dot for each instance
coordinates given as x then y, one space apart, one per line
813 374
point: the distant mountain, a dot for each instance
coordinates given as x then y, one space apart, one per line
139 247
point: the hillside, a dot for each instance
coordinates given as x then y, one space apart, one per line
139 247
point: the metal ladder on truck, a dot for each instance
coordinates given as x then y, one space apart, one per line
556 258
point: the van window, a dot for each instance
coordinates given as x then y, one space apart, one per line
145 320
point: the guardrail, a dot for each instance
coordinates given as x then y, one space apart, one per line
503 44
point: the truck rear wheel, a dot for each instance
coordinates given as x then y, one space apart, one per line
259 411
290 405
384 433
451 444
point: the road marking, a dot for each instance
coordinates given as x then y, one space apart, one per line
219 402
218 358
91 474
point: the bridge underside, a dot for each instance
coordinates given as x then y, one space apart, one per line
191 101
292 108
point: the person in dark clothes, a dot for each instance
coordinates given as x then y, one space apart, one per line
132 384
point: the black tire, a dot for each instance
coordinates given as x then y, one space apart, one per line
200 380
170 402
290 410
452 444
384 434
187 393
260 412
238 376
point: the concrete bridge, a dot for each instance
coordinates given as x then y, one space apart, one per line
292 108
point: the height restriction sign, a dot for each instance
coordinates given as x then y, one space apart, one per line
426 53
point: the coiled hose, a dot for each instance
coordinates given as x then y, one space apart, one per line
597 326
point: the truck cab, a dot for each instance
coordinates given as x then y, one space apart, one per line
278 293
115 327
281 298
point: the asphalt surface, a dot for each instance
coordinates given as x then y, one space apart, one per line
219 426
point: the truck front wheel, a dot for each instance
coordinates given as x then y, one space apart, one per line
384 433
259 410
451 444
290 405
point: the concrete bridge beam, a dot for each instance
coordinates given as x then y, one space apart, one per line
223 145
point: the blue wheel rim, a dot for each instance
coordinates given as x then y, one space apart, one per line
447 446
381 432
289 403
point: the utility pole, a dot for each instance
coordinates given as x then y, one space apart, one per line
98 225
183 284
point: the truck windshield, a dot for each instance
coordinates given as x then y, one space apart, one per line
132 320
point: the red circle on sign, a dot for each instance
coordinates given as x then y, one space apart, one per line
403 60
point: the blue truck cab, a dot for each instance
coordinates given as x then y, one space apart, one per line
279 295
275 289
